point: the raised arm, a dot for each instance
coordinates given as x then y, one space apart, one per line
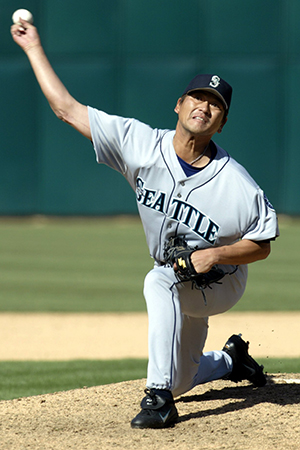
62 103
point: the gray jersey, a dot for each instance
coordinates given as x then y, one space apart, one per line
217 206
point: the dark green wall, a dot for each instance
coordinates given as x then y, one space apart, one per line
134 58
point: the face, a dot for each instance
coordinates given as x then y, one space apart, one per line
201 113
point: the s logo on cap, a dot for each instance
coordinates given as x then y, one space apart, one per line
215 81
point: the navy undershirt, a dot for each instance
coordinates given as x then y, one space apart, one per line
188 169
191 170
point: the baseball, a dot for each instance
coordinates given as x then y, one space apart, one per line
24 14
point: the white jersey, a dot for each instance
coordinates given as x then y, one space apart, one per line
217 206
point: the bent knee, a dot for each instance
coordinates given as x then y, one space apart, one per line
159 278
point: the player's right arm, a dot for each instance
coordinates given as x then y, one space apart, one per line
62 103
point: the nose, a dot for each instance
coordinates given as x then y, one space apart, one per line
204 106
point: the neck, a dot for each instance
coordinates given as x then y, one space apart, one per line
200 156
193 151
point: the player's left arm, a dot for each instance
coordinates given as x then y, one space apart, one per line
242 252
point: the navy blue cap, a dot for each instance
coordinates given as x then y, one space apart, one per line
213 84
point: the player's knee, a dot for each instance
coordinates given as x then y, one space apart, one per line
158 281
149 281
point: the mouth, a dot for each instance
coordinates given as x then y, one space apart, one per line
198 115
199 118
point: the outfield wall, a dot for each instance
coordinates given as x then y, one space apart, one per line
134 58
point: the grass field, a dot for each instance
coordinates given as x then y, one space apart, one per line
274 284
99 265
24 379
72 265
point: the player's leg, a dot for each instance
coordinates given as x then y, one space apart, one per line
233 361
164 339
176 342
191 366
177 334
164 329
170 332
194 367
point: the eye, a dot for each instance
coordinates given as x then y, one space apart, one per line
216 105
197 96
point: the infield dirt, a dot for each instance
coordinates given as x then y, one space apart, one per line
218 415
56 336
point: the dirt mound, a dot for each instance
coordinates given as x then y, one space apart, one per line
218 415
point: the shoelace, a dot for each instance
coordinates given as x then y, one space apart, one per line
152 396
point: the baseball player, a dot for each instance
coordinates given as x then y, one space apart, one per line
188 188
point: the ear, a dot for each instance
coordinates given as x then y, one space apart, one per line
177 107
222 125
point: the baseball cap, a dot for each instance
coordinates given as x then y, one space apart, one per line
213 84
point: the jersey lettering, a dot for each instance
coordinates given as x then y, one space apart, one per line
148 197
196 220
180 211
160 202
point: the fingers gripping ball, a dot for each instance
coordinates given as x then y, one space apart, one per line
23 14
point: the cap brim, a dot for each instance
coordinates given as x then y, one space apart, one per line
213 91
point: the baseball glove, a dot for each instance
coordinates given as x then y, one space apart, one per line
177 251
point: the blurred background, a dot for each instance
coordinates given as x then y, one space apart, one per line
134 58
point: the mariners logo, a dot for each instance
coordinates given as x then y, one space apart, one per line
215 81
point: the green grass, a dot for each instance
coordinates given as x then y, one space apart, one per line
24 379
73 265
274 284
100 265
280 365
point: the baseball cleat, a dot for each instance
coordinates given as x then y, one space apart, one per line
244 366
157 412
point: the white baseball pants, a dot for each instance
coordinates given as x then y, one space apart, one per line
178 326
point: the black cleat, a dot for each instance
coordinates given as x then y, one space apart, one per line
157 412
244 366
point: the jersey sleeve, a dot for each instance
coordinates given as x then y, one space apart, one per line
123 144
264 225
108 134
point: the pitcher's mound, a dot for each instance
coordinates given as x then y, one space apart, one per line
218 415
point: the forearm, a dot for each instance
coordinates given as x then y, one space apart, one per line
242 252
63 104
54 90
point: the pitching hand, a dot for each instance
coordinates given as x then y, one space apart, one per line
202 260
25 35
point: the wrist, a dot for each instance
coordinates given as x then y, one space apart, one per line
213 255
220 255
33 47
